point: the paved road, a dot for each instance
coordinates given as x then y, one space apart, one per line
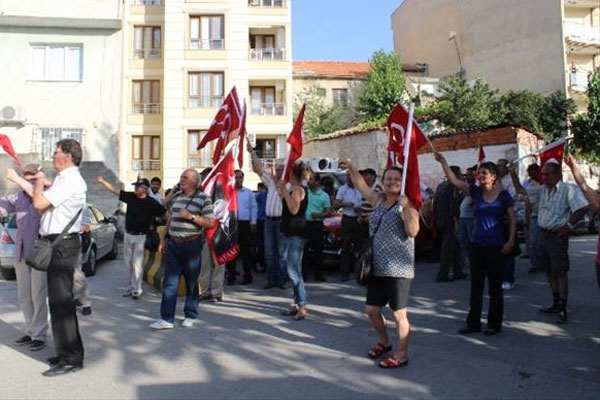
243 348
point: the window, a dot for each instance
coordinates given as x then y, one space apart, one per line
262 47
146 97
49 137
267 3
145 153
147 42
321 92
207 32
147 2
263 101
265 148
340 97
198 158
206 89
56 62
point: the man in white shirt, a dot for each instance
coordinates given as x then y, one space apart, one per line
350 200
59 205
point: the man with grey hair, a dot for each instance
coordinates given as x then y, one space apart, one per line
191 212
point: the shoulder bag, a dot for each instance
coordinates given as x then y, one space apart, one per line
40 254
364 263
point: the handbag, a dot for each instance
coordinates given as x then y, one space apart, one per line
40 254
363 268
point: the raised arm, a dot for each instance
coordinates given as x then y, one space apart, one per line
256 163
457 183
369 194
515 180
107 185
588 192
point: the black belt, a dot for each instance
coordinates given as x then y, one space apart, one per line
549 230
349 216
274 218
65 236
137 233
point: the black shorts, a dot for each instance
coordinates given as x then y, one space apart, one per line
384 290
553 254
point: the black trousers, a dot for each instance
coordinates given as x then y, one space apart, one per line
245 242
352 238
63 315
450 255
486 261
260 242
313 250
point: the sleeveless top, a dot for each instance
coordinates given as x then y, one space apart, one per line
393 249
294 225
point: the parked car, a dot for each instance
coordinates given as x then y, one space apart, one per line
8 232
101 242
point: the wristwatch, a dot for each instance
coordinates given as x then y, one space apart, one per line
192 218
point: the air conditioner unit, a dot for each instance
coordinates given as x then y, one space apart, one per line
12 115
324 164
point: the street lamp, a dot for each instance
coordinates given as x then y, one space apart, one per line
461 71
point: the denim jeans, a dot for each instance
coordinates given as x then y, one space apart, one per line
534 241
181 259
290 254
509 269
275 271
465 227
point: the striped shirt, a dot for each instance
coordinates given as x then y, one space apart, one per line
199 204
556 205
273 207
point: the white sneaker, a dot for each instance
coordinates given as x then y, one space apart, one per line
161 324
507 286
188 323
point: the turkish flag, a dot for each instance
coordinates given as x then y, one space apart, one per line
295 141
241 137
8 148
224 126
220 186
397 124
552 153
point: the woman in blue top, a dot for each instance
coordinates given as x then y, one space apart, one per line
489 246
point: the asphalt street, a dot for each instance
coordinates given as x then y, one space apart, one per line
244 349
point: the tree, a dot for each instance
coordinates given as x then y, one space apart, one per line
556 111
318 118
586 127
384 87
522 108
462 105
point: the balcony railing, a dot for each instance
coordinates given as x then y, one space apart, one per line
267 3
199 162
146 53
145 165
147 2
266 54
586 33
146 108
267 163
207 44
205 101
268 109
578 80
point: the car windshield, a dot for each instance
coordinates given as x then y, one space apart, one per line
12 222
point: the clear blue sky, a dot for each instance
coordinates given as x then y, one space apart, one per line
347 30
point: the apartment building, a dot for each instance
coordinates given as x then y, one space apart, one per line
60 77
540 45
181 58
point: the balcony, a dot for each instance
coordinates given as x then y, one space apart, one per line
267 109
199 162
267 3
207 44
582 39
146 108
145 165
142 54
267 54
205 101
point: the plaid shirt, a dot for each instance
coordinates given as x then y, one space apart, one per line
556 205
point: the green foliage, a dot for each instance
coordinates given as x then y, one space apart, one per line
521 108
384 86
319 119
586 127
556 111
462 105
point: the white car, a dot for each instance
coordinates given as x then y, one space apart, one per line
8 232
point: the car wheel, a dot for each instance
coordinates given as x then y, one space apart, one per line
89 268
115 249
8 274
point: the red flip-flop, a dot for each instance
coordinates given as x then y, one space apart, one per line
378 350
393 362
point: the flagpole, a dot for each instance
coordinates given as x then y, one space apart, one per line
407 142
546 147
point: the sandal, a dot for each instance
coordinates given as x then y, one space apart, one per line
378 350
300 316
290 312
393 362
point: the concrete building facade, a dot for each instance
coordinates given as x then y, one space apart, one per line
540 45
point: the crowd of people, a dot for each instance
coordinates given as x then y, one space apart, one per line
281 231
